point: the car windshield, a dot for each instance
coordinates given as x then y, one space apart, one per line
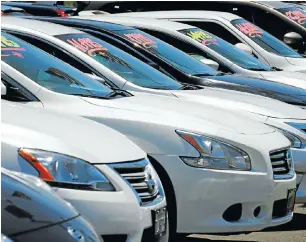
264 39
295 14
166 52
120 62
225 49
47 70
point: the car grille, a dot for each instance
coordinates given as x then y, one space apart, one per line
281 163
139 178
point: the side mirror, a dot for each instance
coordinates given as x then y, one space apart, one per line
3 89
294 40
210 63
247 49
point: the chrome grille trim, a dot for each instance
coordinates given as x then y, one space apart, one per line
136 176
282 164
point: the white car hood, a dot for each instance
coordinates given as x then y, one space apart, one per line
70 135
296 79
239 101
299 62
159 105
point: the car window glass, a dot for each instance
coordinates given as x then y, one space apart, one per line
225 49
295 14
55 52
191 50
215 29
166 52
120 62
264 39
126 48
47 70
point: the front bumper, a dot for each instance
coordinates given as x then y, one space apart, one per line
203 195
113 213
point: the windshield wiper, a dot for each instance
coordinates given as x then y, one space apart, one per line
88 95
189 87
256 69
159 88
203 74
273 68
119 92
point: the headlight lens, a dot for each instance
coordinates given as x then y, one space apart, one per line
65 171
294 140
215 154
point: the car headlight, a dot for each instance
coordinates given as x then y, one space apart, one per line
215 154
64 171
294 140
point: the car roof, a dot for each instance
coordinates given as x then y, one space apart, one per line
86 21
138 22
274 4
44 27
183 14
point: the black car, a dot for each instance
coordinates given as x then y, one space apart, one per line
172 61
55 9
276 17
30 211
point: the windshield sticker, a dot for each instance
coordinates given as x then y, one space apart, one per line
141 40
202 37
87 46
94 49
10 48
297 16
250 30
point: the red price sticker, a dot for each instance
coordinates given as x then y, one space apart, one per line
141 40
250 30
297 16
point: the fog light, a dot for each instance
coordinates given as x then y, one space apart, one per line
257 211
233 213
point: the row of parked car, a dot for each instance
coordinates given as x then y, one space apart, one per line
151 125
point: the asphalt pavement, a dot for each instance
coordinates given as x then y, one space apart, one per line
295 231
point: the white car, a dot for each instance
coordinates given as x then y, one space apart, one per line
237 31
291 121
204 46
220 171
106 177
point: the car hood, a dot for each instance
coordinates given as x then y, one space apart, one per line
299 62
296 79
27 203
70 135
240 101
160 105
